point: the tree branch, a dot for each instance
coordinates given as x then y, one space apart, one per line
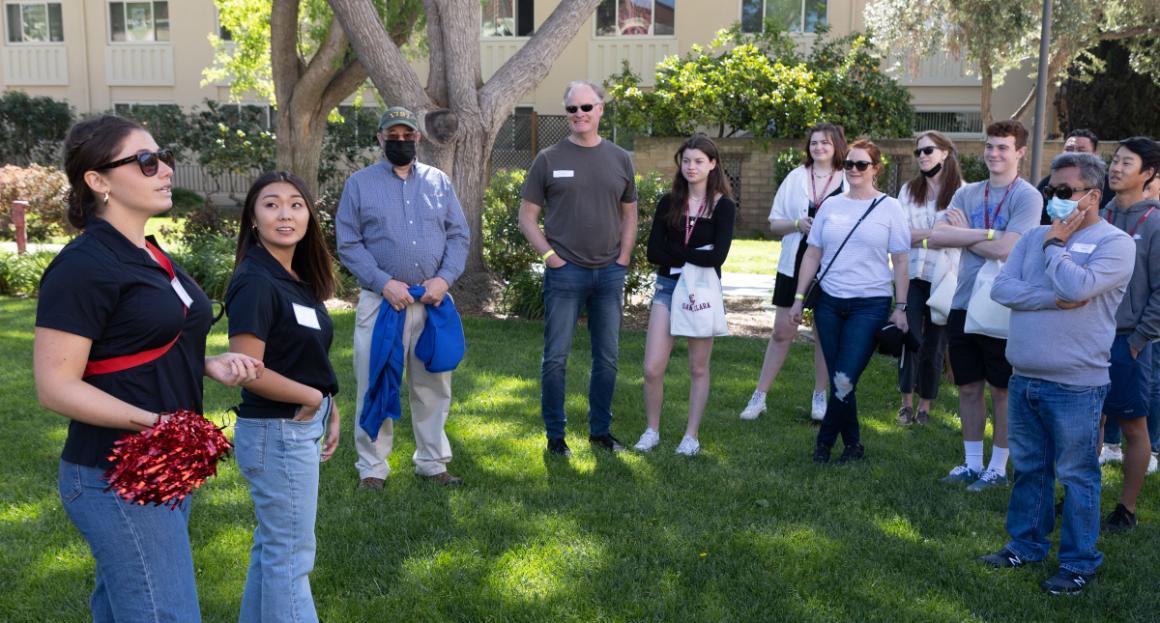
348 80
459 24
390 72
323 66
1130 33
437 57
284 61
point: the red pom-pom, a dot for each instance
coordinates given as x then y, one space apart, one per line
163 464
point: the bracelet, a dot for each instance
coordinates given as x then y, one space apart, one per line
924 241
799 297
990 234
901 306
547 254
795 224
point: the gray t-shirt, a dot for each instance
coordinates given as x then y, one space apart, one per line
1018 213
580 190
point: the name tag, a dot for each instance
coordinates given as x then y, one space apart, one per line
306 316
1137 237
1082 247
181 293
563 173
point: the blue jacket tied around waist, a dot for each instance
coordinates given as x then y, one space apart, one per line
440 347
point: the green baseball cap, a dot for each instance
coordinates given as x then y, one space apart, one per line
397 115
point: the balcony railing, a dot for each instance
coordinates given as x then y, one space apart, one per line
495 51
139 65
607 55
939 70
35 65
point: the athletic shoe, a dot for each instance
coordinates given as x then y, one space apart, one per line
818 407
855 452
905 416
960 475
648 440
1066 582
1111 454
689 446
755 408
1120 520
989 479
1004 559
821 454
1151 464
922 418
558 447
606 441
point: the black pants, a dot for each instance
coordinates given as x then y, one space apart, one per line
923 367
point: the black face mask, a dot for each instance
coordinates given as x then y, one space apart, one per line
933 170
400 153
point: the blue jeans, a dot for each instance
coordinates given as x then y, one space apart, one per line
1052 433
846 328
566 290
279 458
144 563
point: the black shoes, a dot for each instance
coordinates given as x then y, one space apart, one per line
558 447
856 452
1120 520
821 454
1003 559
1066 582
606 441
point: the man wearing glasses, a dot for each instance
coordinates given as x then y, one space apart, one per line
1081 141
585 189
985 219
399 225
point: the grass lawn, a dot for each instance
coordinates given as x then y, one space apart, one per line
753 256
750 530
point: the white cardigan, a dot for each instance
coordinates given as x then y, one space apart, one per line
792 202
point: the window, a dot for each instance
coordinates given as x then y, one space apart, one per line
34 22
508 18
135 22
634 17
793 15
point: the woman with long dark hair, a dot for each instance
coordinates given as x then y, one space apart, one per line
120 340
923 198
693 225
799 199
283 274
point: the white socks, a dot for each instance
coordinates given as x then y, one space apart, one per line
974 452
999 460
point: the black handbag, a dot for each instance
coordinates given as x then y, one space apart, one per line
815 290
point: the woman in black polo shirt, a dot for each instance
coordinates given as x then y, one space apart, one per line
120 339
275 303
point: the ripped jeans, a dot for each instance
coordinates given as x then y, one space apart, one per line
847 329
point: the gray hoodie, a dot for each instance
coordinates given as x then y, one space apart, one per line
1139 312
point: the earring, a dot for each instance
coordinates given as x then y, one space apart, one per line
106 197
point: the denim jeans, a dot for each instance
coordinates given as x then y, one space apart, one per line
847 329
566 290
280 458
1052 432
144 563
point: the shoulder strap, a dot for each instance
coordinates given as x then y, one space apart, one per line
852 229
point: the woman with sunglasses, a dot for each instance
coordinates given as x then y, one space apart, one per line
283 273
923 198
849 243
799 199
120 340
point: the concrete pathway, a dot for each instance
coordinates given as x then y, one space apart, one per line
747 284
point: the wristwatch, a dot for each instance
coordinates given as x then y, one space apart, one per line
1053 242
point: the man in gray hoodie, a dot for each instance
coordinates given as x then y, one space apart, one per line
1063 283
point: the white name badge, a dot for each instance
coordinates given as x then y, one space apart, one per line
306 316
181 293
1137 237
1083 247
563 173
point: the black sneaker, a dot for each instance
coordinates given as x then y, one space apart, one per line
1120 520
558 447
821 454
606 441
856 452
1003 559
1066 582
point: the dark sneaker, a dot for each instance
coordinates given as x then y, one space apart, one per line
922 418
444 478
821 454
905 416
606 441
856 452
1120 520
558 447
1066 582
372 483
1003 559
960 475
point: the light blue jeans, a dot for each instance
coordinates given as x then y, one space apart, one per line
1052 432
280 458
144 563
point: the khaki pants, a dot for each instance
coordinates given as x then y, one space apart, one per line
430 397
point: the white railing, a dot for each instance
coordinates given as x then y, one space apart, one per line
139 65
939 70
607 55
495 51
35 65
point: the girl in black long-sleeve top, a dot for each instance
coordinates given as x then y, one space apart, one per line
693 224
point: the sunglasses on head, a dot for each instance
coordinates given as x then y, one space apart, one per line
1063 192
928 150
861 165
147 160
584 107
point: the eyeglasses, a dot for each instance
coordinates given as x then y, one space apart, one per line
924 151
147 160
1063 192
585 107
861 165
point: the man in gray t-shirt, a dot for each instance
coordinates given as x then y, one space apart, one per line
985 220
584 186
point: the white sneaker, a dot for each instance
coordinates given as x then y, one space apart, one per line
1111 454
689 446
1151 464
818 407
648 440
755 408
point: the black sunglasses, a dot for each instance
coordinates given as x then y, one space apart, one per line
861 165
1063 192
585 107
928 150
147 160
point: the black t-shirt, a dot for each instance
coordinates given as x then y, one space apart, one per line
267 302
102 287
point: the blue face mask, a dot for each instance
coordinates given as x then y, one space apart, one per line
1059 209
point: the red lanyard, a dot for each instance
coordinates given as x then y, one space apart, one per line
814 190
691 221
987 216
161 259
1132 232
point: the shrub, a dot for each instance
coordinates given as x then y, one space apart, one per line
45 189
210 263
973 168
506 252
32 128
20 274
786 161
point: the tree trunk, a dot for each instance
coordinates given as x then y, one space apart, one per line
302 152
988 87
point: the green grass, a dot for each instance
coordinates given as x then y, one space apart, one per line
750 530
753 256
